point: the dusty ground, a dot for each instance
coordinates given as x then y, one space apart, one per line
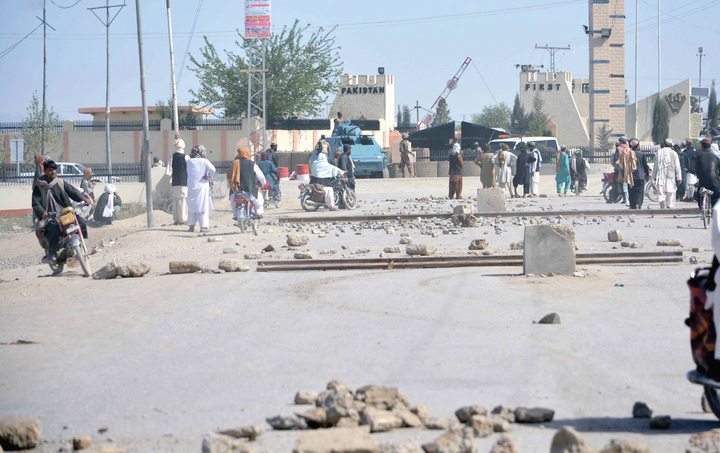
164 359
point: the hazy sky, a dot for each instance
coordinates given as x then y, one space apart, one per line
423 45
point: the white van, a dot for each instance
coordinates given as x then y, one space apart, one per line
544 144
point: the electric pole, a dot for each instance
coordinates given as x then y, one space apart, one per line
659 53
637 10
146 126
172 73
44 107
107 22
417 112
553 51
700 54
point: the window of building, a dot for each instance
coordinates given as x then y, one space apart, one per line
585 88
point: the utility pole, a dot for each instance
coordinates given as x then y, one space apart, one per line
44 107
146 126
637 9
553 51
107 22
700 54
172 73
417 112
659 53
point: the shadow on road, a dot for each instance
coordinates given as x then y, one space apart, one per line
634 425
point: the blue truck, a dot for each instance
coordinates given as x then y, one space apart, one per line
369 158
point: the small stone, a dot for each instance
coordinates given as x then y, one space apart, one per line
624 244
287 422
187 267
337 440
315 417
625 446
693 260
412 446
107 272
641 410
552 318
455 441
615 236
250 432
81 442
669 243
409 419
20 433
220 443
389 231
499 424
505 413
705 404
437 423
660 422
253 256
421 411
405 240
297 240
305 397
305 255
567 440
269 248
487 252
229 250
380 420
705 442
698 249
519 245
504 445
232 266
421 249
533 415
481 426
391 250
464 413
478 244
214 239
133 269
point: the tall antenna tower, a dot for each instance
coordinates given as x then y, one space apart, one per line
553 51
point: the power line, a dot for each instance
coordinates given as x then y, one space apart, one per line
192 32
483 79
65 7
10 49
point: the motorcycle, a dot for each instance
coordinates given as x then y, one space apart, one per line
245 212
608 181
651 191
312 196
71 243
269 195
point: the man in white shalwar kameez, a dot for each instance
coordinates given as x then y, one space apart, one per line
200 172
504 162
667 174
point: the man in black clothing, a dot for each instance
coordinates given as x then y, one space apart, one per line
346 164
692 153
49 196
707 170
636 193
272 152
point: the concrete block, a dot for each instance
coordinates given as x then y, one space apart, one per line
443 168
549 248
491 200
426 169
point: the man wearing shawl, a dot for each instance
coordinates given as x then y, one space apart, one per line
455 171
487 169
106 208
667 174
325 172
244 176
50 195
87 184
563 179
270 172
199 173
504 162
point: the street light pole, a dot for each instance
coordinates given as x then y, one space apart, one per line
44 111
146 126
700 54
172 73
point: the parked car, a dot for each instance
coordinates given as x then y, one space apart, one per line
72 173
544 144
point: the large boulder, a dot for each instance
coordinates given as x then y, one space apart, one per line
491 200
548 249
504 445
20 433
464 413
533 415
133 269
567 440
337 440
305 397
107 272
297 240
220 443
409 419
380 420
188 267
455 441
481 426
378 396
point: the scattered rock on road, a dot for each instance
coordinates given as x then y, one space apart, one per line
215 239
188 267
705 442
133 269
552 318
464 413
625 446
268 248
456 441
20 433
305 255
405 240
693 260
533 415
504 412
107 272
297 240
315 418
287 422
391 250
81 442
229 250
641 410
504 445
250 432
660 422
380 420
233 266
337 440
409 419
615 236
478 244
481 426
305 397
412 446
567 440
220 443
669 243
437 423
421 249
421 411
519 245
252 256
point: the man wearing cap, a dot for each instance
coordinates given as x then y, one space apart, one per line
177 170
272 153
707 167
667 174
406 155
687 159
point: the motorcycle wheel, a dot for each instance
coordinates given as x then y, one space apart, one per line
349 198
337 198
243 220
606 194
57 268
83 259
254 225
651 192
713 399
308 207
277 203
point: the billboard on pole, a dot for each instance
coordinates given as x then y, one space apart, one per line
257 19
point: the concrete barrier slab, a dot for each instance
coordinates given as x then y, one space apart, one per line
549 248
491 200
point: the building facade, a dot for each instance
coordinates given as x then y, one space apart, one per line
370 97
606 33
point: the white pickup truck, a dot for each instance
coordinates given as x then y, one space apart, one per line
72 173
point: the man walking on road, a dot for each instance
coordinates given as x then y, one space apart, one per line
640 174
177 170
707 169
535 170
455 171
487 169
407 155
667 174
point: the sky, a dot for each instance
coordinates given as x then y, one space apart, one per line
422 43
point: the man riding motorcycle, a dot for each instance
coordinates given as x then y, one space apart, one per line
50 195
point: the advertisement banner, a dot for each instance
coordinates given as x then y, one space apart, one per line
257 19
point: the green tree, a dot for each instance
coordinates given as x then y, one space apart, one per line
602 136
497 115
713 108
538 124
443 114
661 121
302 73
519 121
406 116
399 117
32 130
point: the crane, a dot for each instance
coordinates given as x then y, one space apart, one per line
451 85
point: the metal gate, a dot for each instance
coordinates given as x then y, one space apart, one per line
437 139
